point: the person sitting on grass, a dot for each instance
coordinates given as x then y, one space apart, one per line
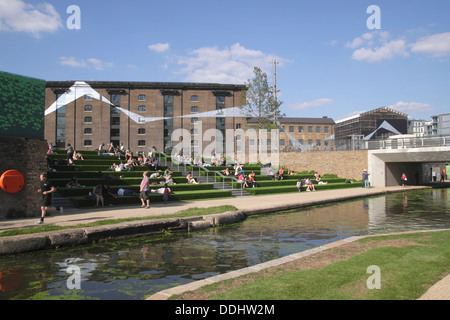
73 183
252 177
319 179
190 179
309 185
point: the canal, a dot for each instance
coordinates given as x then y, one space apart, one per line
135 268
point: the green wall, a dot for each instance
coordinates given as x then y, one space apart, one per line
22 103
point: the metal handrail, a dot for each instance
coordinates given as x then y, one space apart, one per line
223 178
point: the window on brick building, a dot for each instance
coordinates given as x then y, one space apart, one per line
141 131
87 130
88 143
141 143
194 98
142 97
88 108
142 109
87 119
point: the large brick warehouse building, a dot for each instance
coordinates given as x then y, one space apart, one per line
138 114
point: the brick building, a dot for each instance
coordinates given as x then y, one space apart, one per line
138 114
317 133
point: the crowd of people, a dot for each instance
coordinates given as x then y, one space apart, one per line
128 162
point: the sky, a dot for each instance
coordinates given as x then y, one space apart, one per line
335 58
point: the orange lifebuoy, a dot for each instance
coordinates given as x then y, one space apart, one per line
12 181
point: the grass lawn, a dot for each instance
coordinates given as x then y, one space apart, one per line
409 264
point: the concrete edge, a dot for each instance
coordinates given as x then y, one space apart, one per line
72 237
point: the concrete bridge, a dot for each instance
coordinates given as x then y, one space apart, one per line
416 157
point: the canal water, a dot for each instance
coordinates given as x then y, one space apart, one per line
134 268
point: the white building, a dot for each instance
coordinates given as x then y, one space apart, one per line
419 128
441 124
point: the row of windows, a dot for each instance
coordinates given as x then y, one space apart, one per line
310 129
88 143
143 97
310 141
88 108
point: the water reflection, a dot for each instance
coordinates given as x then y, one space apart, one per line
137 267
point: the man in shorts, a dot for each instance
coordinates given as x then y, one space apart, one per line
47 190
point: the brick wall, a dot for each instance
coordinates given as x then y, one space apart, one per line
345 164
28 156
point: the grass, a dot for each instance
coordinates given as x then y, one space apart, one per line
409 264
191 212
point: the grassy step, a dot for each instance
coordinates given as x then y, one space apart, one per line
83 202
82 191
289 182
98 168
91 174
113 182
289 189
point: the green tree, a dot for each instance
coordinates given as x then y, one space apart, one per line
260 103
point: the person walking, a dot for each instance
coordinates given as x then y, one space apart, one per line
144 190
47 190
404 179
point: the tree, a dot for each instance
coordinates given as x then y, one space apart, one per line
260 103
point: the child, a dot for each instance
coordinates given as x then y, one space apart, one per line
166 193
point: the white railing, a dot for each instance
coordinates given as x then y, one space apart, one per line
176 162
408 143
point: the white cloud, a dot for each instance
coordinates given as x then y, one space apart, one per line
386 52
368 39
412 107
98 64
159 47
437 45
374 47
311 104
18 16
81 63
229 65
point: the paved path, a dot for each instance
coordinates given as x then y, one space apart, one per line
441 291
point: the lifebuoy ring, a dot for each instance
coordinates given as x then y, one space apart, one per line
12 181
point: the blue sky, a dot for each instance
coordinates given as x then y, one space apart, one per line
330 62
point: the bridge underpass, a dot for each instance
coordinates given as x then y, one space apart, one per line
386 166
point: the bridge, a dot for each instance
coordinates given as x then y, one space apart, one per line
416 157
